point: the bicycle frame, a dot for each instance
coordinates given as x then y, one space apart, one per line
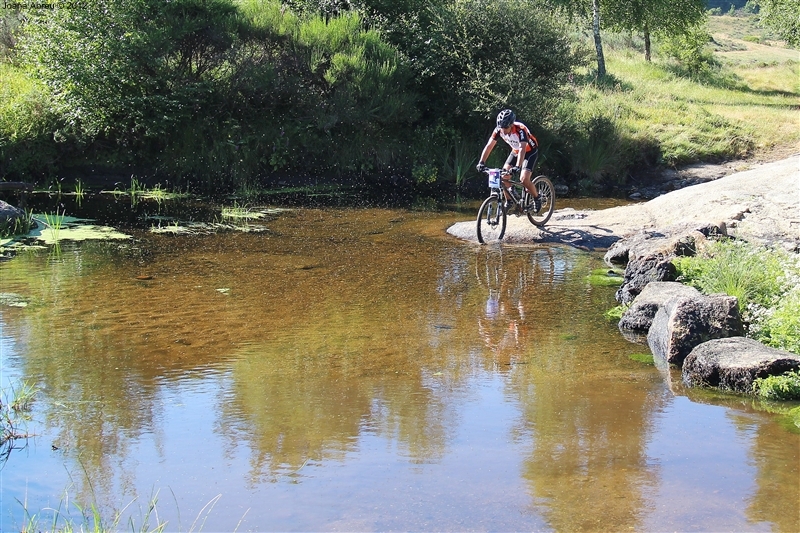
515 199
498 181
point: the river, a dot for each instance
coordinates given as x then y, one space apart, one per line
360 370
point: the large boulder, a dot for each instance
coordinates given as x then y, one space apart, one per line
639 316
684 322
642 271
734 363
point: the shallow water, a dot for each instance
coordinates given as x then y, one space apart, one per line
360 370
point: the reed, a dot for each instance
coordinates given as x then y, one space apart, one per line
15 405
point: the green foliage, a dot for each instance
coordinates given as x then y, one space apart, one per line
737 268
468 69
766 282
784 17
665 17
213 92
689 47
783 387
26 124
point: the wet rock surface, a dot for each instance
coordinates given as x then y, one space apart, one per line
639 316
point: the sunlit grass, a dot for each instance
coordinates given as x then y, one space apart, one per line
731 113
766 282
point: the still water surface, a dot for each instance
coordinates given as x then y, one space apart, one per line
359 370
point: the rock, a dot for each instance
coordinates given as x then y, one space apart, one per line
678 239
734 363
684 322
642 271
639 316
766 217
9 213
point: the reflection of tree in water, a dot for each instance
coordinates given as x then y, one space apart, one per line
588 428
311 397
100 397
778 464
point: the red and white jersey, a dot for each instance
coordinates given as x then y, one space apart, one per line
519 136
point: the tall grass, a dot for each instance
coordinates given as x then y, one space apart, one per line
766 282
732 110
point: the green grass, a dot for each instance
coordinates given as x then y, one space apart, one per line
766 282
784 387
743 104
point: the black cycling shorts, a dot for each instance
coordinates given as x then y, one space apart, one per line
528 163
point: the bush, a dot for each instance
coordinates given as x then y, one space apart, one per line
690 50
766 282
27 147
784 387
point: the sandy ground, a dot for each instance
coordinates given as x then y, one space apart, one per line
761 204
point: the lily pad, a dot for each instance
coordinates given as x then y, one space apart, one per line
78 232
11 299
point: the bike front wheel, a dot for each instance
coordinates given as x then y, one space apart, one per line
491 223
547 196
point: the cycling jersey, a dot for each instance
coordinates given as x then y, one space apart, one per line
519 136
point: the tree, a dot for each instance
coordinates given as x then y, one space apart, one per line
666 17
478 56
784 17
132 69
588 10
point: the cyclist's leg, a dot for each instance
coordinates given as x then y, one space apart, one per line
527 170
511 160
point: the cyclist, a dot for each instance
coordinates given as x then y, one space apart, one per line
524 151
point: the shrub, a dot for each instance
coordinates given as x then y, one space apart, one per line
766 282
784 387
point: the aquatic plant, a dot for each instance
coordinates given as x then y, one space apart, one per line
17 226
54 221
603 277
644 358
13 413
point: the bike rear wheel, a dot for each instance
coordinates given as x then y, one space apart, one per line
547 195
491 223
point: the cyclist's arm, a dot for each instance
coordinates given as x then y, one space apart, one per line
487 150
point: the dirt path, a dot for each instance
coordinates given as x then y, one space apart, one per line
760 205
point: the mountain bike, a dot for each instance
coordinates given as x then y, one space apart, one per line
491 223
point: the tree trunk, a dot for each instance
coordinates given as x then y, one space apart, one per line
601 62
646 43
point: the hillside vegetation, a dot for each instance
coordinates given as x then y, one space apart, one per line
273 93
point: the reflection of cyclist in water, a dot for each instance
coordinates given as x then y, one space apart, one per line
502 324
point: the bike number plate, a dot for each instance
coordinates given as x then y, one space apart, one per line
494 179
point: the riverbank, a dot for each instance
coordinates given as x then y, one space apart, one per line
761 205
